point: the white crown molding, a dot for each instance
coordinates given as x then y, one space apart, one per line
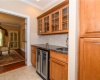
32 4
37 6
52 2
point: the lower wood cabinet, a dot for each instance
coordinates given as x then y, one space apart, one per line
89 59
58 68
33 55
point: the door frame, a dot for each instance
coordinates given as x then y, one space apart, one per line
27 45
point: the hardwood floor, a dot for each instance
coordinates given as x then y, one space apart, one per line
15 65
22 53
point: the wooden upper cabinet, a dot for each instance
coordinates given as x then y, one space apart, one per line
89 59
90 18
54 20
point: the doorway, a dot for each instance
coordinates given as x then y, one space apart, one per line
27 28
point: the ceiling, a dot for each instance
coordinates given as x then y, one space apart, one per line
41 4
6 19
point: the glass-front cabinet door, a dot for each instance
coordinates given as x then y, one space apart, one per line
40 26
44 64
65 18
47 24
55 21
38 60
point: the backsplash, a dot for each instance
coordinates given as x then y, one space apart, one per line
58 39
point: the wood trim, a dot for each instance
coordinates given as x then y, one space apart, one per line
50 26
57 32
42 25
64 3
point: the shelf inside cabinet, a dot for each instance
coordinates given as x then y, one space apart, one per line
65 14
55 18
65 21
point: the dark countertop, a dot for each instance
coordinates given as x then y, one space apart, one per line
50 47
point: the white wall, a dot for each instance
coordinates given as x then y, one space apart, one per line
73 40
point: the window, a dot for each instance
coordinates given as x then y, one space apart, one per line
1 38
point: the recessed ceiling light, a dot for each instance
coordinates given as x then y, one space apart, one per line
37 0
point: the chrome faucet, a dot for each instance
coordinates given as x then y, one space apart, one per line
67 42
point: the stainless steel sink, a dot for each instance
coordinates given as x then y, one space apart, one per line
62 49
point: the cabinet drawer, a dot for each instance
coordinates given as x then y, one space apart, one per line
59 56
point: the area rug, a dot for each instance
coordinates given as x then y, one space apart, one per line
10 59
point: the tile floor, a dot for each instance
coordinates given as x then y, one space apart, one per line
23 73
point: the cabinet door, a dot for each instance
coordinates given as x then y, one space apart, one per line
33 56
89 66
55 21
64 18
40 26
58 70
47 23
90 18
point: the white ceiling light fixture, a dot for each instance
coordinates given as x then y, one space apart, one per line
37 0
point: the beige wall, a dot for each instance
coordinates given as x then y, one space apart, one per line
9 19
10 27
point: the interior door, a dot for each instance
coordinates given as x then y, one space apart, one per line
89 68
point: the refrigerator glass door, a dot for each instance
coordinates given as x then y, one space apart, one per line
44 64
38 61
